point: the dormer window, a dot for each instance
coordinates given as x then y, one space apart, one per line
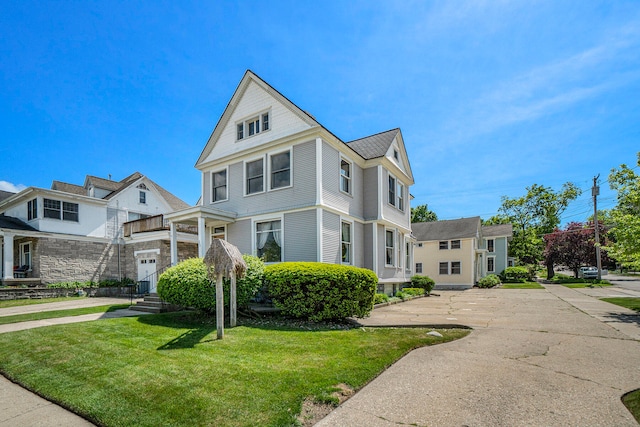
252 126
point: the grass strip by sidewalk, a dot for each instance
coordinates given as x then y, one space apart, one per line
170 369
41 315
26 301
630 303
526 285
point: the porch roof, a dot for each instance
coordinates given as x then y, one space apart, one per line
11 223
192 214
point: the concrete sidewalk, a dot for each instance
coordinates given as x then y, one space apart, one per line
554 357
20 407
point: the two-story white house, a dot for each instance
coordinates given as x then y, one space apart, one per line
103 229
279 185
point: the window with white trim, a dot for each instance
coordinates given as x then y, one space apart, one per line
456 267
219 186
407 248
347 247
56 209
392 191
345 176
254 173
25 254
389 243
252 126
443 268
455 244
490 245
443 244
400 204
269 240
491 264
143 198
280 170
32 209
418 268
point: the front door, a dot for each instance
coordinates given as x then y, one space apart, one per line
147 276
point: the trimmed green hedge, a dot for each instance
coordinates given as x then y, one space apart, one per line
489 281
318 291
424 282
187 284
515 275
380 298
414 292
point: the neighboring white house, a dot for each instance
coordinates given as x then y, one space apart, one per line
278 184
83 232
457 253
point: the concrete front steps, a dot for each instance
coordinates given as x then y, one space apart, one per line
153 304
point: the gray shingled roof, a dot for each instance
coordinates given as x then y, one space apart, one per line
12 223
374 146
499 230
105 184
69 188
445 230
5 194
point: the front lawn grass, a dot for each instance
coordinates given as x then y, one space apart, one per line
525 285
60 313
170 370
632 402
584 283
631 303
26 301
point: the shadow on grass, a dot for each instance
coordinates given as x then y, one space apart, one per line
189 339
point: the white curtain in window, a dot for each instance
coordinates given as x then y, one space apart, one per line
276 232
263 233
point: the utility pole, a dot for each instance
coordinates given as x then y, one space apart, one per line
595 191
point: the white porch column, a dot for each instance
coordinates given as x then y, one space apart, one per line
174 243
8 255
202 238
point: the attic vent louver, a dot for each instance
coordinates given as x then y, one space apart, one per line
142 186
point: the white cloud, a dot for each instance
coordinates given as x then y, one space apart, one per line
12 188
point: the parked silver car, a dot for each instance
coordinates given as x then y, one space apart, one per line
588 272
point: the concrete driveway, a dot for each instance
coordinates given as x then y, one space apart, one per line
554 357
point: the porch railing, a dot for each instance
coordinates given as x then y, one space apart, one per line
154 223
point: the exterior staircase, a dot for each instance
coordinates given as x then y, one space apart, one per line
153 304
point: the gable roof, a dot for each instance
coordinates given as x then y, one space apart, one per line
374 146
5 194
500 230
116 187
11 223
447 229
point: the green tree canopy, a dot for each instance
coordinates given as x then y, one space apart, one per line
536 213
625 217
421 213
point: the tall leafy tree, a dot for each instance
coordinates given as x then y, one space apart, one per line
625 245
421 213
536 213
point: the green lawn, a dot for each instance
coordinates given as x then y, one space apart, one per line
19 302
632 402
586 284
526 285
631 303
60 313
170 370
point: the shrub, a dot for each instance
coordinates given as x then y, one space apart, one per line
319 291
424 282
515 275
380 298
401 295
187 284
414 292
114 283
72 285
489 281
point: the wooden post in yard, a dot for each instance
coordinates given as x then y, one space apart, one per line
219 306
233 300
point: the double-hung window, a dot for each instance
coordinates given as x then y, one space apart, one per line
389 247
491 264
253 126
418 268
32 209
347 247
219 186
400 204
443 245
25 254
269 240
345 176
456 267
70 211
392 190
280 170
455 244
407 248
51 208
443 268
143 198
490 245
254 172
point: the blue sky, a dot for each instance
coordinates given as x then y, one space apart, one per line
491 96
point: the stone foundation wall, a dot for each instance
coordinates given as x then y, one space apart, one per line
34 293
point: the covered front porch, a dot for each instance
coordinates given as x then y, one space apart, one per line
17 240
203 218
